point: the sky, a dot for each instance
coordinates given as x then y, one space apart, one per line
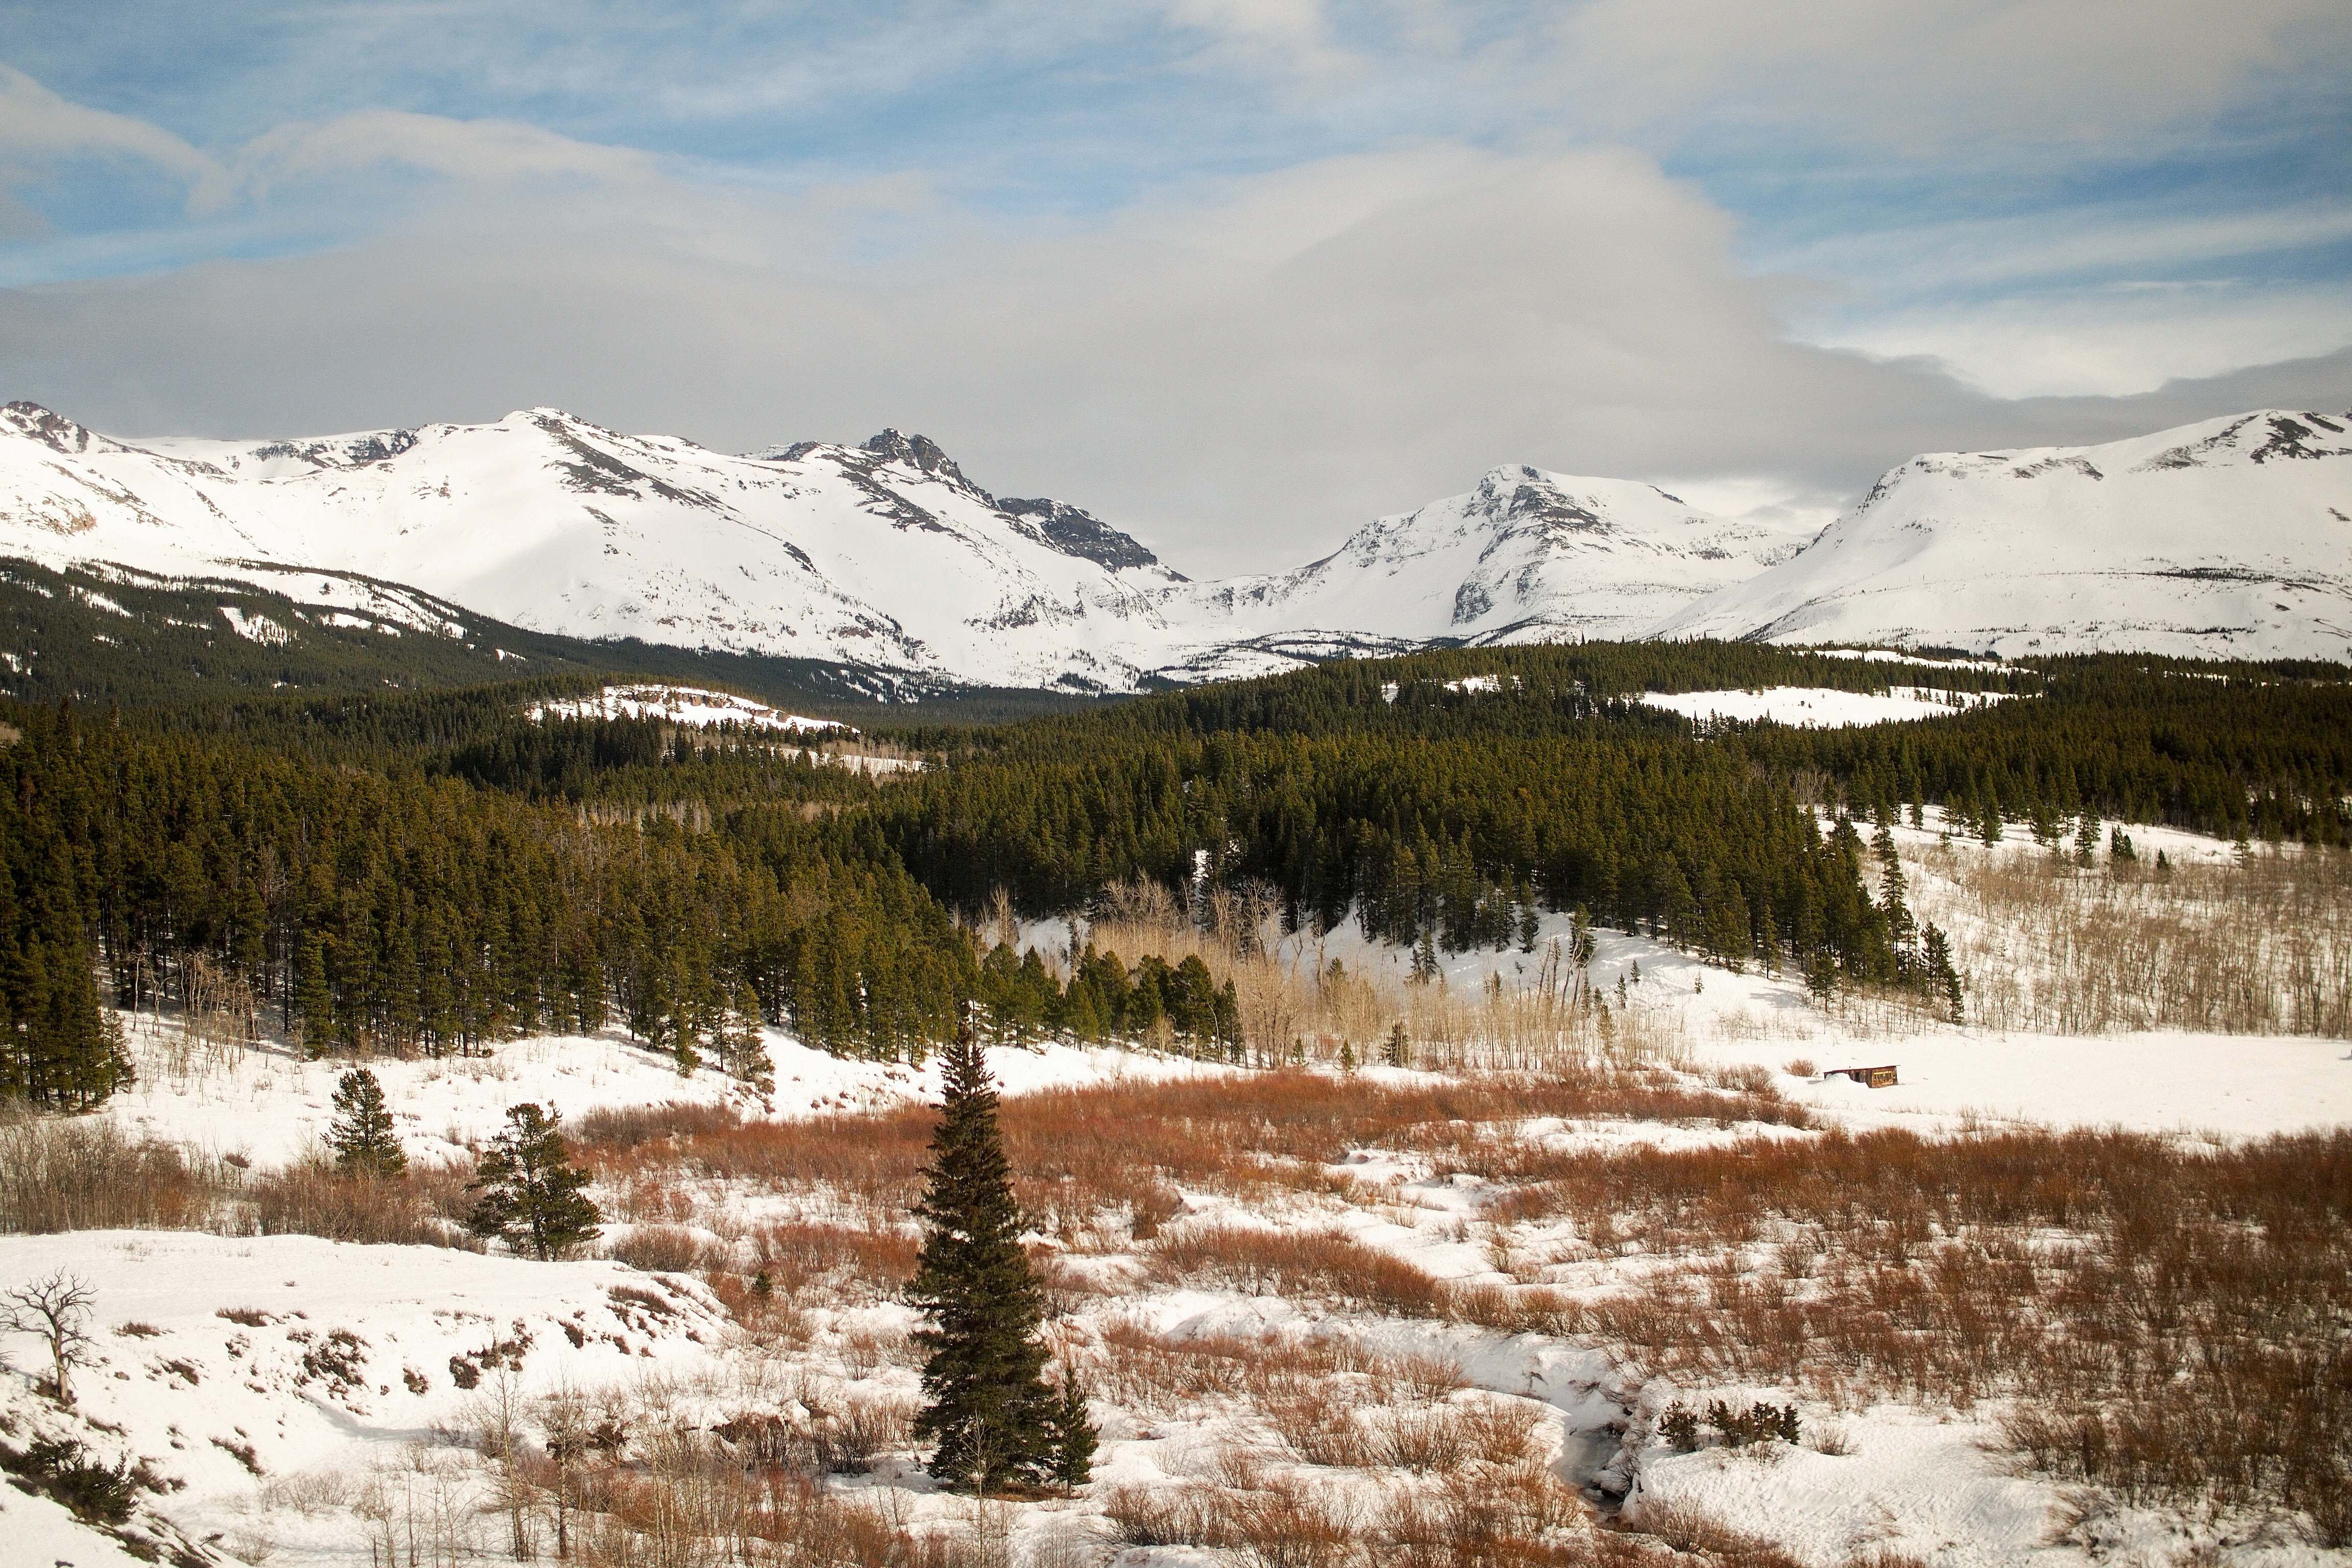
1237 275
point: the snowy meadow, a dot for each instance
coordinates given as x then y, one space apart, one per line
1665 1290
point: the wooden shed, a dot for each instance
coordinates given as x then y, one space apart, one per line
1874 1077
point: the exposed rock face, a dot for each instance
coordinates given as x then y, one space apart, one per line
1076 531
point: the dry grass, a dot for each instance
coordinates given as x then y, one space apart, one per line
835 1262
422 1207
1295 1005
1320 1265
658 1248
2170 1322
1102 1163
2263 946
84 1173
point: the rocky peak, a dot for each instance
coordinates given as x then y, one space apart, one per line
923 455
50 429
1076 531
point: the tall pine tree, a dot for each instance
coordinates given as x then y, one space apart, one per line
988 1407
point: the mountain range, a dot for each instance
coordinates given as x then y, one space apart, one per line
2227 537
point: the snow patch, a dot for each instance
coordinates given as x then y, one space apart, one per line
1817 707
693 706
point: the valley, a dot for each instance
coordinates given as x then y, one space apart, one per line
1425 1090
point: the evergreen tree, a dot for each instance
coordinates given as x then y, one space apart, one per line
313 1003
530 1191
1073 1433
361 1134
745 1057
1821 977
988 1407
1943 978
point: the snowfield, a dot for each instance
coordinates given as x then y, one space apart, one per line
242 1382
1815 706
270 1106
2219 539
693 706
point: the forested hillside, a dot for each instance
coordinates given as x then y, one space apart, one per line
429 871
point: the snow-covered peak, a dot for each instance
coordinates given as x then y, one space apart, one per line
2227 537
1526 555
884 555
36 422
2232 536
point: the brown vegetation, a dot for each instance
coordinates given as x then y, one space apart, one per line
88 1175
1311 1266
2260 946
2171 1322
85 1173
1294 1001
1118 1150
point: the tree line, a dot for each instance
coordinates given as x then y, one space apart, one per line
429 872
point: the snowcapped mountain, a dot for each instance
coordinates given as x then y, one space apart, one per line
1527 557
2227 538
883 555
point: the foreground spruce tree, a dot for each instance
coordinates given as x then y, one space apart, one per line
988 1407
361 1134
530 1197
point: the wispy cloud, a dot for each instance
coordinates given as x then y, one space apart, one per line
39 128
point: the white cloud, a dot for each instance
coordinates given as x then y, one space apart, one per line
1946 76
475 151
39 128
2112 340
1988 252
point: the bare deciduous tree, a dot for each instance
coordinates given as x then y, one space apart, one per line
55 1310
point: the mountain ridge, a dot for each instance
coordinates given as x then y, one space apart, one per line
888 557
2230 537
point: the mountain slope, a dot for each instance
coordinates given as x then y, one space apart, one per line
884 568
1526 556
883 555
2227 538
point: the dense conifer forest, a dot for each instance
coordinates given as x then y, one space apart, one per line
429 870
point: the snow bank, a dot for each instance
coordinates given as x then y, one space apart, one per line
224 1404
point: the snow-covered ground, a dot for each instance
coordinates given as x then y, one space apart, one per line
217 1359
293 1446
696 707
270 1106
1819 707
